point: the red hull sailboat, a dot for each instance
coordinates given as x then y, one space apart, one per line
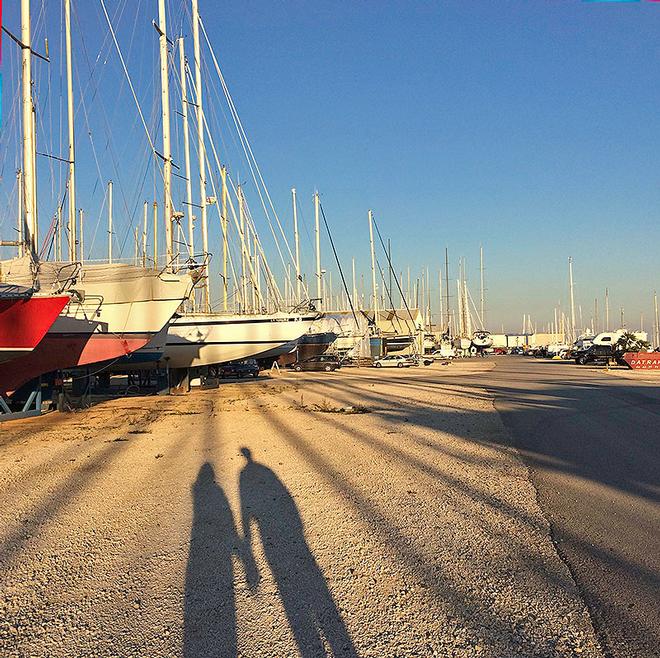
24 321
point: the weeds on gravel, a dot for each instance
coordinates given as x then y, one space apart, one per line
326 407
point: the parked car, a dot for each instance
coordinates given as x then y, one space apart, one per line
326 362
594 353
395 361
248 368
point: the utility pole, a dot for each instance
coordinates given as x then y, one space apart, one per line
200 147
29 145
296 240
623 318
570 285
110 221
317 229
374 297
72 171
186 147
165 118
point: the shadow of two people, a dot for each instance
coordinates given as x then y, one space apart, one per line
210 627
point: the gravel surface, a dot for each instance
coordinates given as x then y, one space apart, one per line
357 513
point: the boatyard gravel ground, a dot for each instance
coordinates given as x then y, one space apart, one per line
358 513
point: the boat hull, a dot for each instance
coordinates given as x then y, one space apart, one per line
398 343
308 346
114 310
642 360
208 339
24 322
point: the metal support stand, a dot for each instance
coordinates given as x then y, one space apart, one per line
32 406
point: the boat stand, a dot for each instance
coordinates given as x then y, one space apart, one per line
32 406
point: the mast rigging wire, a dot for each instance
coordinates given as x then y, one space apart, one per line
341 271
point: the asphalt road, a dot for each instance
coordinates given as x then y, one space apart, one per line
592 443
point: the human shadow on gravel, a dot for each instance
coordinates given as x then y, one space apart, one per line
310 609
209 617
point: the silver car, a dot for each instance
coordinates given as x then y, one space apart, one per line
393 361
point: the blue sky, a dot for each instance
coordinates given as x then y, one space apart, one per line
528 127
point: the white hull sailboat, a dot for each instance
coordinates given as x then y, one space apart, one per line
114 310
201 339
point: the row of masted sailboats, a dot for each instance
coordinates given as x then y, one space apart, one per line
68 313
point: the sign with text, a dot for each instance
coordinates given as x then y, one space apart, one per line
643 360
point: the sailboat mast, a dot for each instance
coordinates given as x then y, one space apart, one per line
145 223
461 330
165 117
29 146
440 309
81 234
58 233
447 288
607 309
481 297
155 227
596 318
656 338
355 300
389 263
19 219
186 146
297 242
110 221
570 285
241 222
374 296
72 166
223 176
200 144
317 229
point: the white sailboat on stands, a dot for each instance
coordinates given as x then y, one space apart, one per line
114 308
201 337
